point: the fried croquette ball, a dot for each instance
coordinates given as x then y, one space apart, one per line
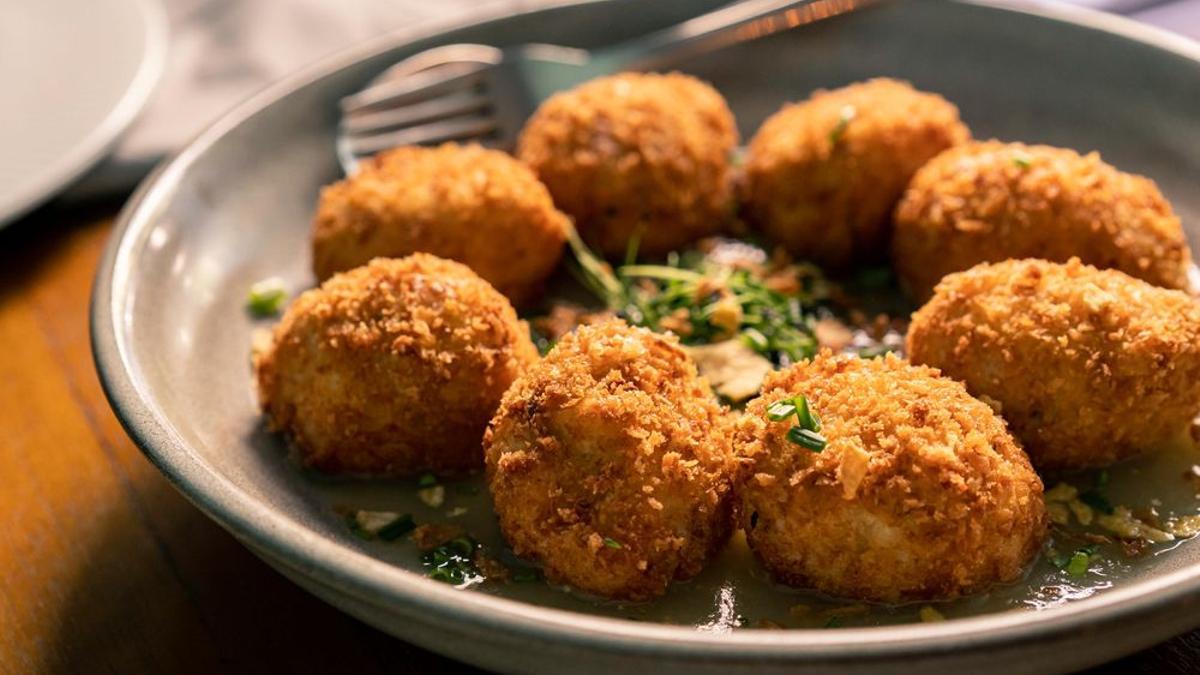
920 493
477 206
611 463
991 201
636 154
822 176
393 368
1088 366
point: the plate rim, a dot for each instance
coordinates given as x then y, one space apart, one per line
379 584
68 167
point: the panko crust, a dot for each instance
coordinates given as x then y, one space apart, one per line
1089 366
611 463
636 153
479 207
920 494
991 201
392 368
824 187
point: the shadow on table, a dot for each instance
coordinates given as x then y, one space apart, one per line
29 242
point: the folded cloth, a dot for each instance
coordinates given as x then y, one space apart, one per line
225 50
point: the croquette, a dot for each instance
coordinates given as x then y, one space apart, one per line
392 368
611 463
636 155
1088 366
823 176
991 201
919 494
479 207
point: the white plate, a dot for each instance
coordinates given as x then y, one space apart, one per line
73 76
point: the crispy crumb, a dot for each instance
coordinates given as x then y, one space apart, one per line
1090 366
636 155
480 207
923 482
393 368
611 416
974 204
830 201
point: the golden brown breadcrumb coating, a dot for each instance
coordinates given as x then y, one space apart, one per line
393 368
477 206
633 153
1088 366
921 493
610 462
990 201
823 175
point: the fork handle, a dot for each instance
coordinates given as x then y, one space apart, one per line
733 23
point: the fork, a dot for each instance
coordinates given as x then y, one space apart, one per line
471 92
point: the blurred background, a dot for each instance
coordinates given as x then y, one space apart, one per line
221 51
217 52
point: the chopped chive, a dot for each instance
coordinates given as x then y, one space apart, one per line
612 543
397 528
781 410
1022 160
845 116
453 562
808 418
833 622
807 438
427 480
266 297
1077 566
755 340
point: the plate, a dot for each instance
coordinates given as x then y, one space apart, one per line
75 75
171 336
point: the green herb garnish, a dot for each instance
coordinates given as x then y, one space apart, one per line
1022 160
808 439
1077 566
845 116
427 480
1076 563
612 543
453 562
833 622
703 301
806 432
397 528
781 410
380 524
543 343
266 297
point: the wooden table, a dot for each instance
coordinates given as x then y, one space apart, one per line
103 566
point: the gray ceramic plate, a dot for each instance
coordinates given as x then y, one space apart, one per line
171 340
